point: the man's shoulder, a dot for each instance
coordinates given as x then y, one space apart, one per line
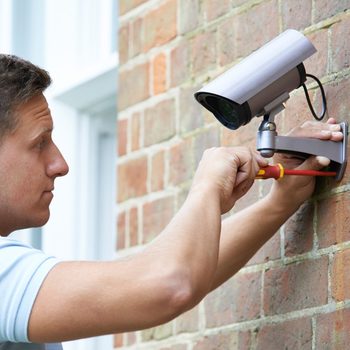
22 272
21 346
29 346
10 242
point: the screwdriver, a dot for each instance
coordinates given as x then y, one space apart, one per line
277 171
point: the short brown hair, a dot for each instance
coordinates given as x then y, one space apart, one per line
19 81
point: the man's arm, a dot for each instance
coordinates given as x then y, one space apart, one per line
172 274
245 232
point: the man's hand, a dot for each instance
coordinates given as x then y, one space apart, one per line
291 191
228 172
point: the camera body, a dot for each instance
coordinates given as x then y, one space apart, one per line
244 91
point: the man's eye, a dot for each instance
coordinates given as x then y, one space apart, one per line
42 143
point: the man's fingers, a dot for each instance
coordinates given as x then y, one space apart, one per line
314 163
323 131
249 164
331 121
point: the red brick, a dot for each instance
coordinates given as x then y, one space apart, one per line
209 117
134 84
337 100
160 332
156 216
121 230
249 24
159 122
317 64
292 287
131 338
215 8
340 32
269 251
299 231
208 138
327 8
203 53
332 330
179 64
341 276
132 178
191 15
124 43
137 34
159 73
266 185
248 199
122 136
296 14
160 25
333 220
118 340
229 303
175 347
226 42
296 113
224 340
191 112
135 131
188 322
157 171
237 3
180 162
127 5
133 226
294 334
244 136
338 107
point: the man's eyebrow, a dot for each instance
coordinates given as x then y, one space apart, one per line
46 128
41 131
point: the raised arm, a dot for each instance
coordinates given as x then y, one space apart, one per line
172 274
245 232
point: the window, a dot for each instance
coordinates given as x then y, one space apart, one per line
82 60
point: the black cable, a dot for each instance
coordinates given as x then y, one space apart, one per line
324 102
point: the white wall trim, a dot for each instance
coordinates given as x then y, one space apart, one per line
100 86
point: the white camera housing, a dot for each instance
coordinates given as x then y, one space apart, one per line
271 72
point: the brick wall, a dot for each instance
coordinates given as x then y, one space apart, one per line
295 293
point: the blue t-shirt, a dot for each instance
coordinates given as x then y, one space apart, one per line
22 272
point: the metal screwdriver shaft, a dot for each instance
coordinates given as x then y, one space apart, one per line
277 171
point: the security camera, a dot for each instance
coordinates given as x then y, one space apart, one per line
260 82
259 85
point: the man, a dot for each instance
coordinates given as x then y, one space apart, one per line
44 300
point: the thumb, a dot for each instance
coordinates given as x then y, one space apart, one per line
314 163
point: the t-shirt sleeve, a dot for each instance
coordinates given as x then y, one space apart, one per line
22 272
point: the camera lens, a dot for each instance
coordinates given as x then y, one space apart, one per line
229 113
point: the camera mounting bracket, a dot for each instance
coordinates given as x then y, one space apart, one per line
269 143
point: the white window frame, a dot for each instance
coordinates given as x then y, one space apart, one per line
91 105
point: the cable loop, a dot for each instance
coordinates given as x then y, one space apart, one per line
324 102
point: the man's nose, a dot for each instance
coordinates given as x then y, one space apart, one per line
58 165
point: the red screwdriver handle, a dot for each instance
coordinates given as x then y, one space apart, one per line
271 171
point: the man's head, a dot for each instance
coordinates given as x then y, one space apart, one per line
29 159
19 81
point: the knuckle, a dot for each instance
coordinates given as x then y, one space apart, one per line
307 124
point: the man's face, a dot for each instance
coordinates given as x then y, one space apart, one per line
29 164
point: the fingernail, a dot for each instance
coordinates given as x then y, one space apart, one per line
326 132
322 160
337 133
335 127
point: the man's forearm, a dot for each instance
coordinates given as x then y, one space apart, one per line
244 233
192 240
